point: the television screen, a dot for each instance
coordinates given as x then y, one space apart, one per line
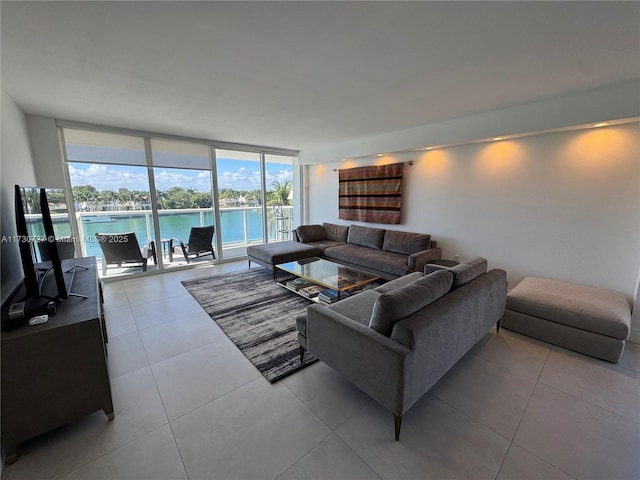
44 229
28 216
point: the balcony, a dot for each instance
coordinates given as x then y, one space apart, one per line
238 226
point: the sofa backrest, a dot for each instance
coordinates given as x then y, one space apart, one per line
366 236
406 243
466 313
466 271
395 305
310 233
336 233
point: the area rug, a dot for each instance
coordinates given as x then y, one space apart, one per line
257 315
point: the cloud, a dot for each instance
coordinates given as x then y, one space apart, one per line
104 177
113 177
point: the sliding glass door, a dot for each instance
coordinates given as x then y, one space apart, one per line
162 188
111 193
280 195
239 180
182 180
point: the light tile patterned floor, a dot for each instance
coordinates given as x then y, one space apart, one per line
188 404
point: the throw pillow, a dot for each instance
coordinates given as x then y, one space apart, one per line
393 306
337 233
467 271
406 243
366 236
310 233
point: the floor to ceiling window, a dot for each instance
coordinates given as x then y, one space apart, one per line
280 195
182 179
239 177
161 187
110 189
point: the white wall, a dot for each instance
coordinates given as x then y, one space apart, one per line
16 167
562 205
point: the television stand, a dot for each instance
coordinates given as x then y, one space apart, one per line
46 284
56 372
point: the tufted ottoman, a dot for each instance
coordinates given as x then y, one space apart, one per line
270 254
585 319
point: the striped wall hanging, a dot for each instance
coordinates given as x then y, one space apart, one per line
371 194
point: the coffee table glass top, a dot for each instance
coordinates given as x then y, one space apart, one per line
328 274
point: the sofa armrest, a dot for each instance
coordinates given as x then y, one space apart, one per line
294 235
432 267
373 362
418 260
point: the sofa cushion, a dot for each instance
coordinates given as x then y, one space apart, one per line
310 233
357 307
467 271
391 307
366 236
324 244
337 233
394 264
405 242
280 252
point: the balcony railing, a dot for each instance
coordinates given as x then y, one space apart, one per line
239 226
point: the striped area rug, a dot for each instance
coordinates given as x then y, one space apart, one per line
257 315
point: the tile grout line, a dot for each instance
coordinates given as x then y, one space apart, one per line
623 417
513 441
599 407
109 452
524 411
155 382
332 431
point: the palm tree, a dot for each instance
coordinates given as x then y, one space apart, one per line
280 194
84 194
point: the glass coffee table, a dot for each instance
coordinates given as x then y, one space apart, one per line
322 280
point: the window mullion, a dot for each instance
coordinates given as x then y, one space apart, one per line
215 203
154 202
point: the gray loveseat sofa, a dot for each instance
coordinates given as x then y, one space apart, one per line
395 342
387 253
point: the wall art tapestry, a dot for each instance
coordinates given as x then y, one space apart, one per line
371 194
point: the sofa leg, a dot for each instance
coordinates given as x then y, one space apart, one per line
397 420
301 350
498 326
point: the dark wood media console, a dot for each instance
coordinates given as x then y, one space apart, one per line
56 372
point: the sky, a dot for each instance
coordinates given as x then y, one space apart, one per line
233 174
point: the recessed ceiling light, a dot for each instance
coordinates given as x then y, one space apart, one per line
428 148
498 138
601 124
380 155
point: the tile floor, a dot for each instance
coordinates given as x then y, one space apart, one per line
190 406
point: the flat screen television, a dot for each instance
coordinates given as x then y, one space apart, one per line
37 240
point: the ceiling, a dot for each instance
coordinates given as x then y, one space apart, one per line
300 75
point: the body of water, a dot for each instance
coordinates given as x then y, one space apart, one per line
237 226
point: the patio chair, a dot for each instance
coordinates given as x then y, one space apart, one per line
123 248
199 243
66 248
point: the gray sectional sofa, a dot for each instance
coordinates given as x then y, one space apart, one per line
387 253
395 342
